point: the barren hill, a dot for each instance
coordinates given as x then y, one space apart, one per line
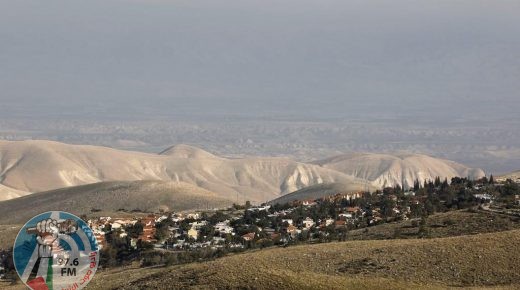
35 166
388 170
147 196
7 193
515 176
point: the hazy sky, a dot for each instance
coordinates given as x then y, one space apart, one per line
441 59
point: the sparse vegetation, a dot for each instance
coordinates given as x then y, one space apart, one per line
398 264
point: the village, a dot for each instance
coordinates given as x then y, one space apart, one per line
243 227
169 238
229 228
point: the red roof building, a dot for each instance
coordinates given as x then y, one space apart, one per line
249 237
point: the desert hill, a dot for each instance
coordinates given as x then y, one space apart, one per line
34 166
484 260
10 193
147 196
515 176
187 151
388 170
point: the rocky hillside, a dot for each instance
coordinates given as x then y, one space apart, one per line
34 166
388 170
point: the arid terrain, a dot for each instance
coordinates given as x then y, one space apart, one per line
260 144
484 260
35 166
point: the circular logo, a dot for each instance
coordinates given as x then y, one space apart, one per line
56 250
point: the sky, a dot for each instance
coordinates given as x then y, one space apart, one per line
250 58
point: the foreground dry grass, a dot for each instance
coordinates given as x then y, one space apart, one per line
8 235
486 260
441 225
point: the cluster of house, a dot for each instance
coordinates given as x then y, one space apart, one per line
182 235
291 229
191 238
101 226
184 239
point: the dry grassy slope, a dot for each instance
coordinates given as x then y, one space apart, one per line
8 235
448 224
389 170
478 260
149 196
318 191
44 165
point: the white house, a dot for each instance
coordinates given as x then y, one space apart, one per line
308 223
329 222
409 193
224 228
484 196
198 225
260 208
194 216
308 202
345 215
116 225
161 218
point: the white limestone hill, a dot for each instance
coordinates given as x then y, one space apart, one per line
187 151
35 166
389 170
515 176
10 193
110 197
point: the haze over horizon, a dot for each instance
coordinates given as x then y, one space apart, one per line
437 77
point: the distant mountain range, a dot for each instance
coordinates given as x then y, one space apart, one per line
515 176
35 166
403 169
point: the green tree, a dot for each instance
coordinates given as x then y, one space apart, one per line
416 185
135 230
437 181
510 188
387 207
423 228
